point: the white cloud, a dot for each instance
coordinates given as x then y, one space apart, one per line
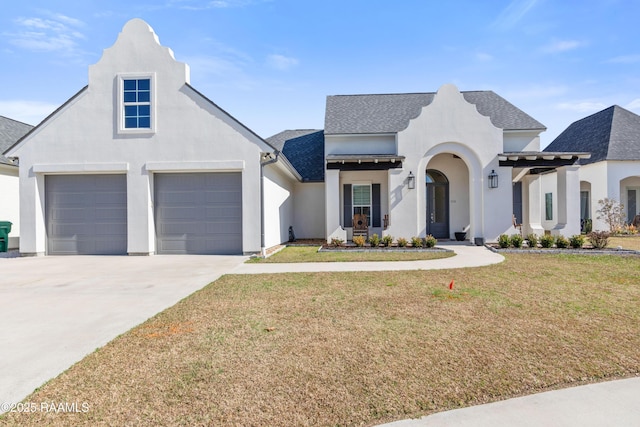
30 112
57 33
513 13
482 56
281 62
562 46
582 106
633 105
625 59
213 4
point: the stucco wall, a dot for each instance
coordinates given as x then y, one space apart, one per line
278 206
360 144
521 141
452 125
191 134
10 202
309 210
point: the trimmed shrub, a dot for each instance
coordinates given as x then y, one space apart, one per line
516 240
547 240
599 239
335 242
374 240
504 241
416 242
576 241
533 240
359 241
430 241
402 242
562 242
386 240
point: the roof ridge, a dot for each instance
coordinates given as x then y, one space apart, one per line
14 120
405 93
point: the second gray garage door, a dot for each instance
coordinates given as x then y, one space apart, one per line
198 213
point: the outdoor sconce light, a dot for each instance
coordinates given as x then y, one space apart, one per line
493 179
411 181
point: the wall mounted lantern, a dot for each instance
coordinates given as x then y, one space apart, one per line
411 181
493 179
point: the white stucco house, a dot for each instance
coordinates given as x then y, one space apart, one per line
140 162
10 131
612 136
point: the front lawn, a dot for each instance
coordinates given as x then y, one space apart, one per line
361 348
626 242
311 254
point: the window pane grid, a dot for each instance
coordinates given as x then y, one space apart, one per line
361 199
137 103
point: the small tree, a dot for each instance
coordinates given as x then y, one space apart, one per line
612 212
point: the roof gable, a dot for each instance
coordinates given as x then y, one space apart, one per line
304 149
610 134
391 113
10 132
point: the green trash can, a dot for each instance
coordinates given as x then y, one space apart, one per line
5 229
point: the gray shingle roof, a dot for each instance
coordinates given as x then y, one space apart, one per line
610 134
390 113
10 131
304 149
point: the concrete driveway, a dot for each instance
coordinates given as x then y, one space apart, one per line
56 310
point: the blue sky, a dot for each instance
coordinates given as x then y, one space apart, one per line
271 63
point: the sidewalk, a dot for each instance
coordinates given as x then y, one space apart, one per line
612 403
467 255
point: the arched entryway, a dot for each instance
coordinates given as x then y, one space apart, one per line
437 188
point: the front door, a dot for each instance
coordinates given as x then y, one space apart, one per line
437 204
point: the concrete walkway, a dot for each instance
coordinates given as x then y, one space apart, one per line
612 403
466 256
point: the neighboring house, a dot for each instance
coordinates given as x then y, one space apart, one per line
613 171
10 132
139 162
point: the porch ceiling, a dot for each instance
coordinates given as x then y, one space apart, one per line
540 160
364 161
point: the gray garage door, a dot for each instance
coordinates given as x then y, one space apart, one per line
86 214
199 213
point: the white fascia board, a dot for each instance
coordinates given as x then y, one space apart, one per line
221 165
75 168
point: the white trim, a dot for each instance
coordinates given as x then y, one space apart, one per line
120 103
221 165
80 167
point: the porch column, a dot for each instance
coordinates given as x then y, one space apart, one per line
568 201
532 211
332 205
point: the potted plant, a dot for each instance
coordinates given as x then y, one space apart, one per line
461 235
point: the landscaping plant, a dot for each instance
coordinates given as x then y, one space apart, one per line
416 242
576 241
359 241
336 241
532 238
504 241
612 212
547 240
374 240
516 240
387 240
562 242
599 239
430 241
402 242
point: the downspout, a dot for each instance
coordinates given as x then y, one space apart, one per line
263 250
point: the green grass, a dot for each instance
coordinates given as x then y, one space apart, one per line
311 254
361 348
